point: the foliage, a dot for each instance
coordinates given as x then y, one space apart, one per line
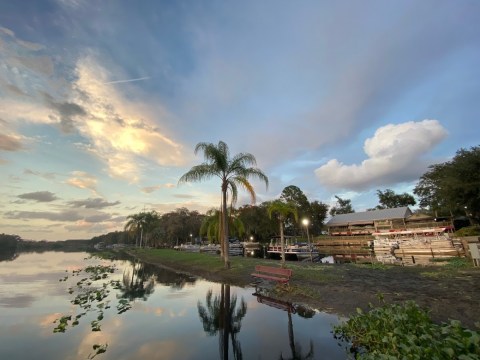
232 171
256 222
176 226
388 199
405 331
211 225
453 186
282 210
141 224
468 231
343 206
318 214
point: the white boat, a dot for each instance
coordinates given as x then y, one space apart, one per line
294 250
188 247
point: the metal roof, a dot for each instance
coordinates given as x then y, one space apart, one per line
369 216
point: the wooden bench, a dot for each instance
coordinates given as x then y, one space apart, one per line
279 275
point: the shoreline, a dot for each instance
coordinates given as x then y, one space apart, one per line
447 293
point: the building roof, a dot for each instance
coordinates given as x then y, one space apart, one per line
369 216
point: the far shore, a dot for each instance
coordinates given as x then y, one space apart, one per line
447 292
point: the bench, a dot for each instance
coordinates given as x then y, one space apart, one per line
279 275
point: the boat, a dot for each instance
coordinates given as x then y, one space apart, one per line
210 249
294 250
189 247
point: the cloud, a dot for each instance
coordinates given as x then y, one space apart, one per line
394 155
184 196
10 143
83 180
98 218
39 196
119 125
45 175
96 203
52 216
150 189
120 129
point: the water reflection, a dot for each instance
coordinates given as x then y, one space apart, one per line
221 316
290 308
8 254
137 282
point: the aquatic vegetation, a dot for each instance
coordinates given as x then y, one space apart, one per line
90 296
406 331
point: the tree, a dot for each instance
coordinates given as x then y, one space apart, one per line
318 214
453 186
343 206
142 223
232 172
282 210
389 200
211 225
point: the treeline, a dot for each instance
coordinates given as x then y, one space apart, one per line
11 245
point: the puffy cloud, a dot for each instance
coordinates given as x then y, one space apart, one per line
96 203
394 155
40 196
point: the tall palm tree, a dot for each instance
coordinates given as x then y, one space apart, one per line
232 172
282 210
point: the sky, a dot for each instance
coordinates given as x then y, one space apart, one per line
103 102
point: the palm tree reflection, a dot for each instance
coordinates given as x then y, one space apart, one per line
221 316
137 283
290 309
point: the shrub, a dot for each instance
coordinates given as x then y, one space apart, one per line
468 231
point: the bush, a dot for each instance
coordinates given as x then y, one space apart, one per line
468 231
407 332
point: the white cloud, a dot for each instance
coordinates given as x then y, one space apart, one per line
394 155
119 128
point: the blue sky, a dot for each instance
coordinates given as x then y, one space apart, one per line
103 102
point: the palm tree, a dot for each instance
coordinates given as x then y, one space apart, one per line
142 222
232 173
211 225
282 210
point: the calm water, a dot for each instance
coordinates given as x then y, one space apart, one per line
166 315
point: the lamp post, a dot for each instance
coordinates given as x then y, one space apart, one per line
305 222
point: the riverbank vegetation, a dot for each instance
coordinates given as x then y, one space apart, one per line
406 331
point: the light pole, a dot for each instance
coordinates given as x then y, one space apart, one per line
305 222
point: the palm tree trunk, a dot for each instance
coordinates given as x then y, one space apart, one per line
225 228
282 240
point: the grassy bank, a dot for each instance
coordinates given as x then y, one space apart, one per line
212 266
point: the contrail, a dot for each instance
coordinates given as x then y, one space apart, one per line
129 80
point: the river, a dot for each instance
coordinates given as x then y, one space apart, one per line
129 310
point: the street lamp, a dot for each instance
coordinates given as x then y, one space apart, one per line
191 235
305 222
